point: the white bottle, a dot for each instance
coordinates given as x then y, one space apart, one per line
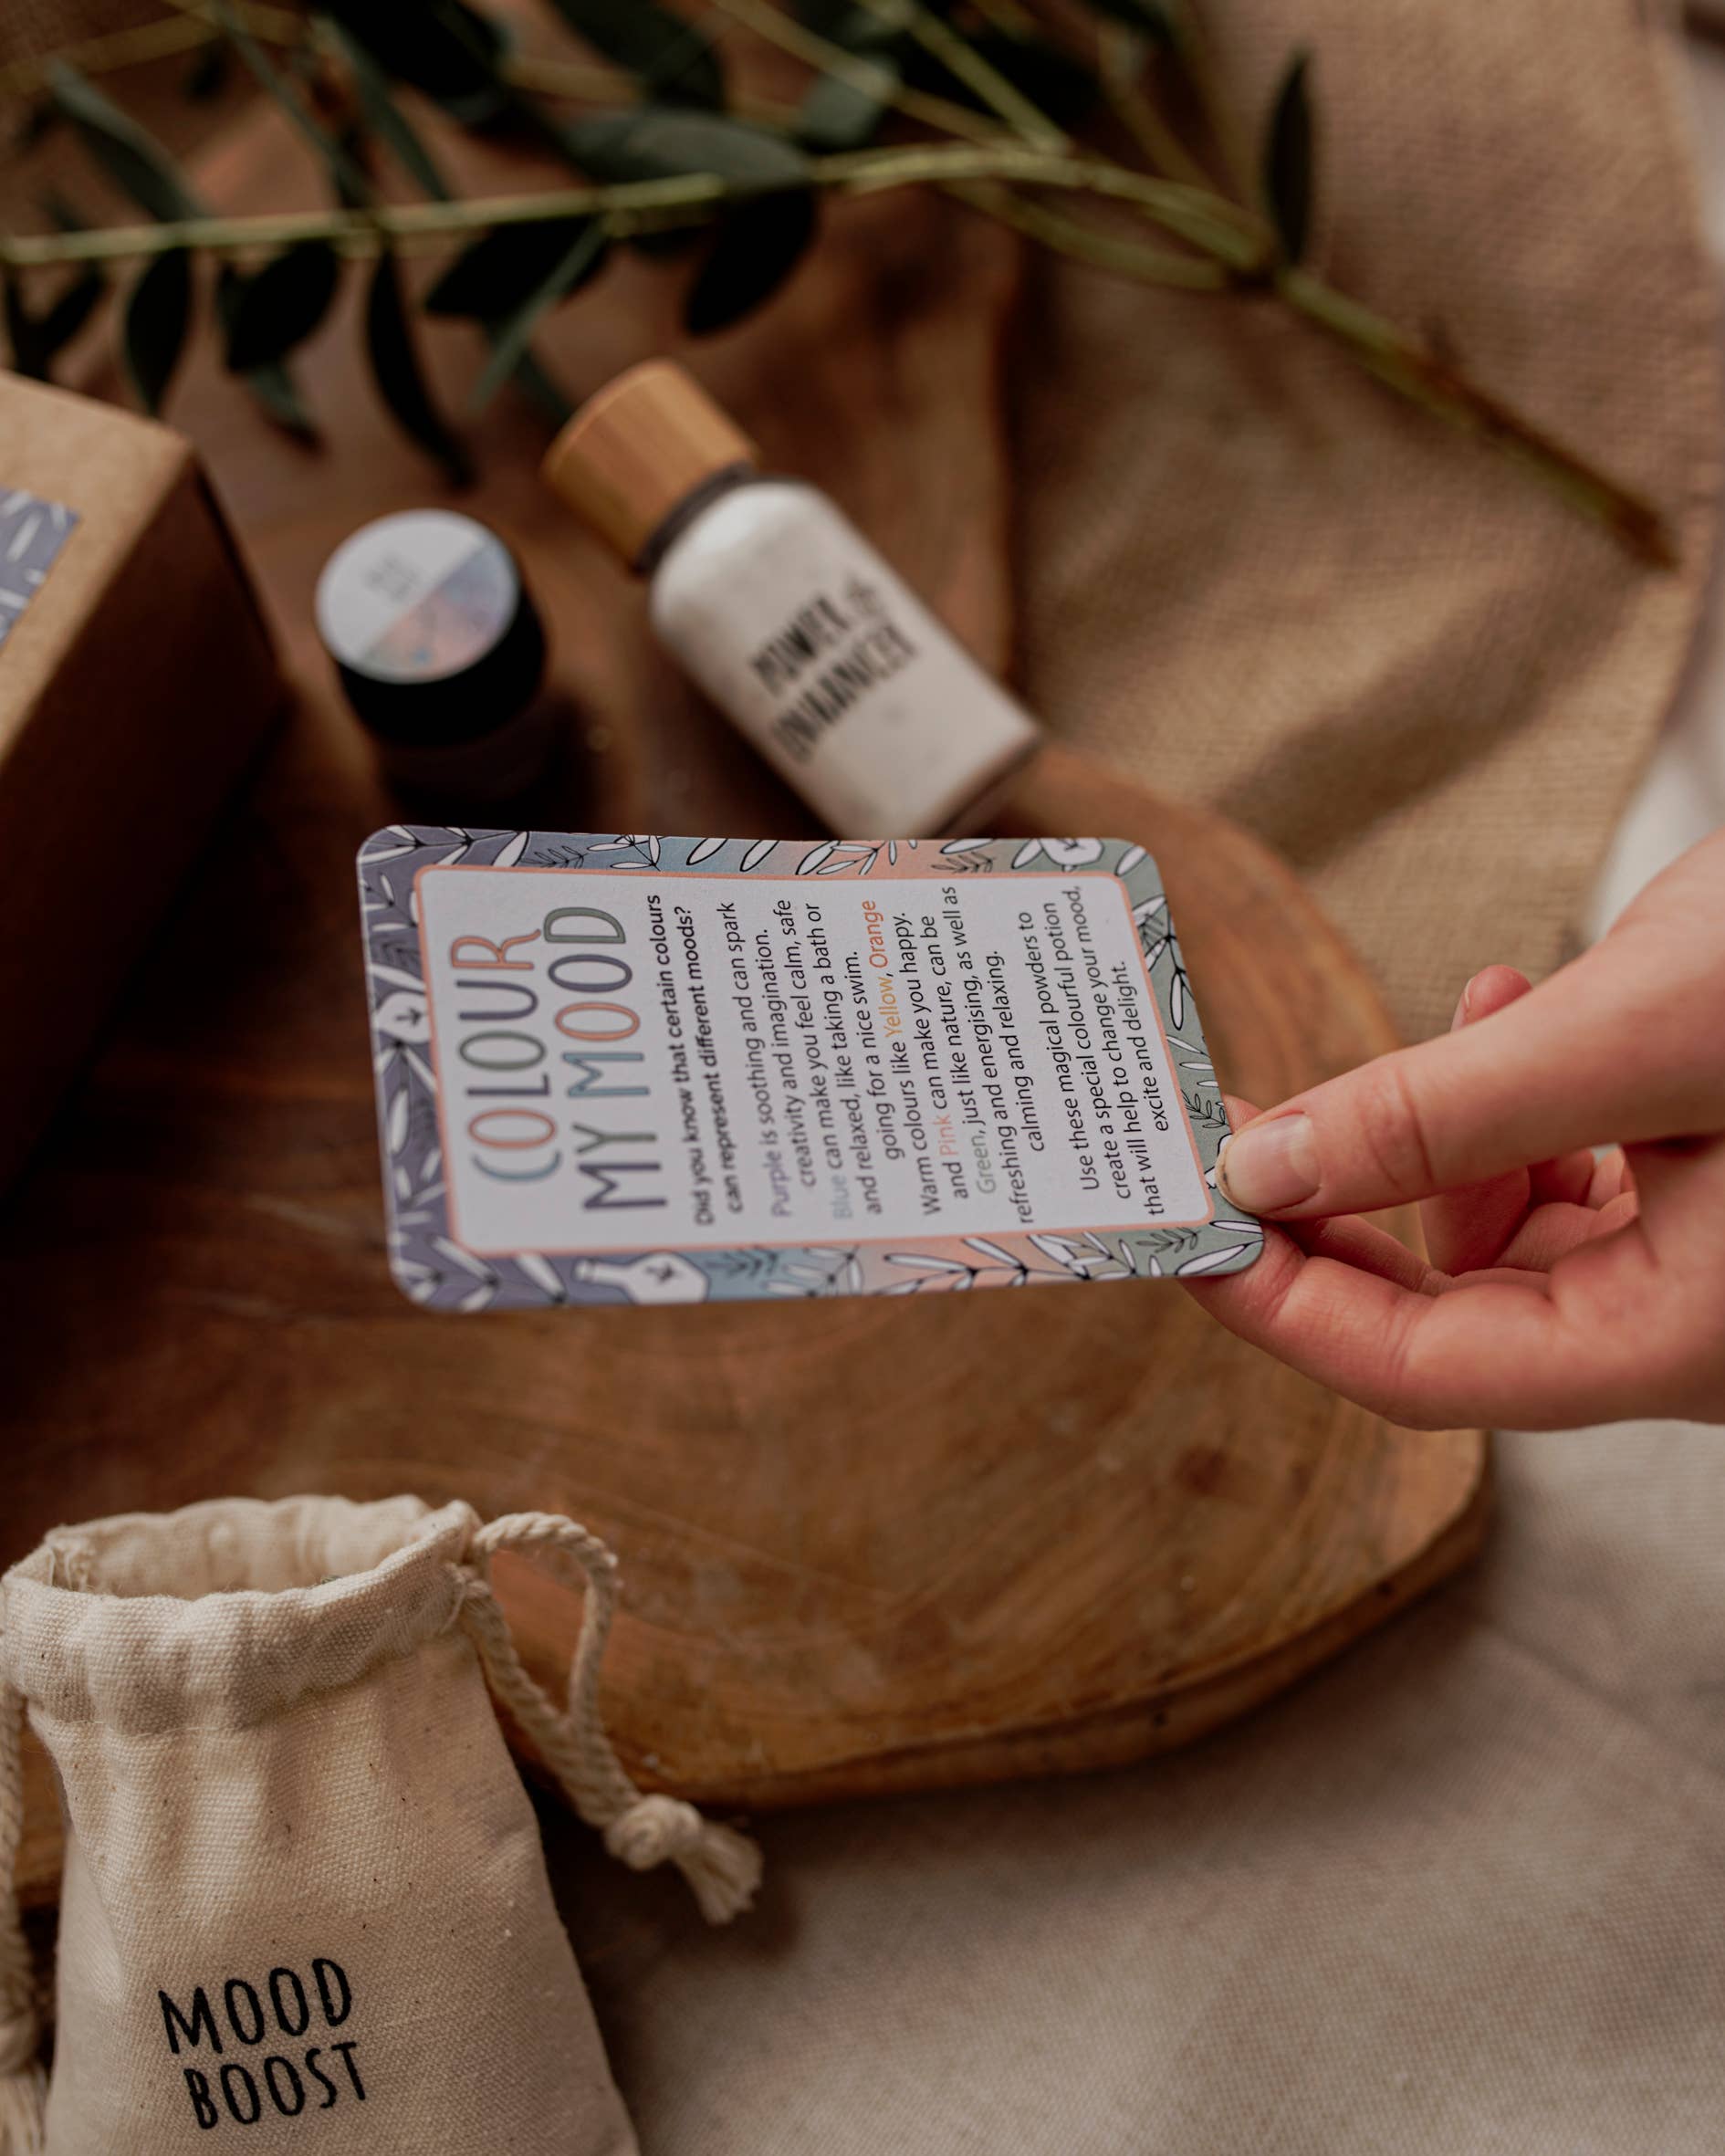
787 617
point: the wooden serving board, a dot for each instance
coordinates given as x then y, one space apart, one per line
866 1546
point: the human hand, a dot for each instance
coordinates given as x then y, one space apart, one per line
1563 1288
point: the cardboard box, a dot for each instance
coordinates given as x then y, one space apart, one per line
136 681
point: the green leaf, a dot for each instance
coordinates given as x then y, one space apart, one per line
540 389
67 314
383 115
352 185
837 115
275 390
671 245
386 118
153 329
281 305
207 75
135 161
1290 152
498 272
401 379
271 387
1051 78
757 248
23 334
356 190
443 47
581 261
663 141
671 58
35 124
36 340
63 211
660 142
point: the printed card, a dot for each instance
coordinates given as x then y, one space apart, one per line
671 1070
32 533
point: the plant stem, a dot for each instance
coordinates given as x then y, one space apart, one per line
192 26
353 181
1101 250
818 52
967 65
358 234
1418 373
1185 210
1193 50
1230 238
1195 215
570 79
1120 59
1010 16
120 48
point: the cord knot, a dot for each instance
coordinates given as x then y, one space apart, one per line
721 1866
656 1829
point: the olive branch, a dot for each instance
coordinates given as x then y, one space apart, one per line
983 99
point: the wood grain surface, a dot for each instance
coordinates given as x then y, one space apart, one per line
865 1546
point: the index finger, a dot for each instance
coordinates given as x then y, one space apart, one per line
1625 1044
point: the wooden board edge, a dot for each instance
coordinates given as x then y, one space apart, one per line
1161 1721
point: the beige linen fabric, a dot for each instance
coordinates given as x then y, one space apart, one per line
304 1902
1461 1894
1254 579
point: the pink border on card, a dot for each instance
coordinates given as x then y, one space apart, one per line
901 871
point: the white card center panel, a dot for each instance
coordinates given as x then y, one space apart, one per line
634 1061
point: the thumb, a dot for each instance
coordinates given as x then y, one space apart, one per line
1615 1047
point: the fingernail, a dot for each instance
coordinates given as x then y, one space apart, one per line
1462 1008
1270 1164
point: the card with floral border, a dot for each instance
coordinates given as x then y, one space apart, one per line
636 1069
32 533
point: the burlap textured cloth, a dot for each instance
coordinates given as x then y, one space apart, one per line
1252 578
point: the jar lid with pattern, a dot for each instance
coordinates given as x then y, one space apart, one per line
434 634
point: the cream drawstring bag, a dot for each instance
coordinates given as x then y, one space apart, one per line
305 1905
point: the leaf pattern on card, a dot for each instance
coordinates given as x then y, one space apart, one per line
32 532
434 1271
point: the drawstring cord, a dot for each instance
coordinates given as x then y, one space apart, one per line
722 1866
23 2084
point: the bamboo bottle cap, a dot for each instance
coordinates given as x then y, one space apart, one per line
637 449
